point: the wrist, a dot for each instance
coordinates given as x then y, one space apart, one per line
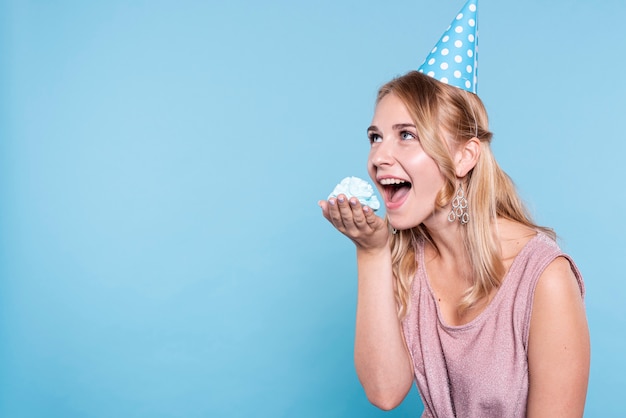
373 252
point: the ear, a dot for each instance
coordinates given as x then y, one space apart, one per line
466 156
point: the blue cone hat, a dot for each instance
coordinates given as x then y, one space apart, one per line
453 60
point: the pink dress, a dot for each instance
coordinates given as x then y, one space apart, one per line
479 369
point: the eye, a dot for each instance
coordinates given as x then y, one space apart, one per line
406 135
374 137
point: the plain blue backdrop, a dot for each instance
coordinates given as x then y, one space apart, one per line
161 250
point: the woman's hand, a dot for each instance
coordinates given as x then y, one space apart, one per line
356 221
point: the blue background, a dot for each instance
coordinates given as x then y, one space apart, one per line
161 250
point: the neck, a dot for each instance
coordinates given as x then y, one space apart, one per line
450 250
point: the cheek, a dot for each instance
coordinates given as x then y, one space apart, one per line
423 165
426 174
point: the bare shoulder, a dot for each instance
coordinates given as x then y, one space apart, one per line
558 283
558 298
558 344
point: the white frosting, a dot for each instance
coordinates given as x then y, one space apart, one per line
359 188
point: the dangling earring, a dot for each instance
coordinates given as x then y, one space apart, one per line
459 207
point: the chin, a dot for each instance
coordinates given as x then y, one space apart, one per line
401 226
402 223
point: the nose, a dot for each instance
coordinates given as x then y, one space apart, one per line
382 153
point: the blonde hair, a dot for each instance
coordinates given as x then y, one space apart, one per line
438 109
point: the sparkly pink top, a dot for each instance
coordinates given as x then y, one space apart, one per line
479 369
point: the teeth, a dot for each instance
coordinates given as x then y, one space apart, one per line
386 182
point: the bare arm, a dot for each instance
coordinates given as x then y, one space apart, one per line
558 346
381 358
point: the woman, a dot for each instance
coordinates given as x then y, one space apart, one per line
457 288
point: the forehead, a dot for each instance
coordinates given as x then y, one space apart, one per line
390 110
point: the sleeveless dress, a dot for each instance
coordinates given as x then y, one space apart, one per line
479 369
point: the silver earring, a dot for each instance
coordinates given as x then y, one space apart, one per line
459 207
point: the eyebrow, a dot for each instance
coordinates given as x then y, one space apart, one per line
395 127
402 126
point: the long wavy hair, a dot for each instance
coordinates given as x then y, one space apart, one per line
436 109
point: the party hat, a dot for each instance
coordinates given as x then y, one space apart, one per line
453 60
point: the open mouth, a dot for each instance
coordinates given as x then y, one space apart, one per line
395 189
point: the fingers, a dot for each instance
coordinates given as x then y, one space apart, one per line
370 218
356 221
357 212
348 215
341 214
330 211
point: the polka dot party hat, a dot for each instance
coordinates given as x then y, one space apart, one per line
453 60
